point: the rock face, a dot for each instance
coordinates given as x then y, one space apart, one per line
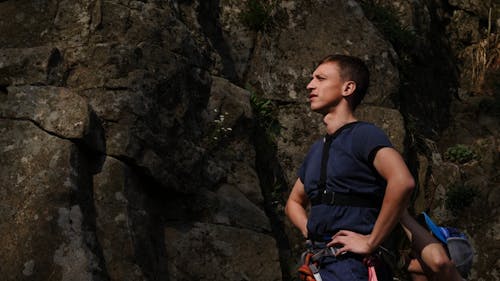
157 140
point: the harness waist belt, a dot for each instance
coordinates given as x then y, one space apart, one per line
347 199
319 249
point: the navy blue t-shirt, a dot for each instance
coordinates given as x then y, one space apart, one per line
349 170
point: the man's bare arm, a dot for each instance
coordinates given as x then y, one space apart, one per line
400 183
296 206
391 166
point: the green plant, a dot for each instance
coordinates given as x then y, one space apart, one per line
261 105
459 154
387 22
217 131
257 15
459 197
265 114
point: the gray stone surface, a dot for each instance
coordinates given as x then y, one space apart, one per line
43 234
129 145
113 224
57 110
284 60
228 253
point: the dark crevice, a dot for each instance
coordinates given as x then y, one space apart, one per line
146 199
429 94
96 15
208 16
55 72
117 88
83 160
36 124
140 170
273 186
107 120
54 59
427 73
88 161
3 89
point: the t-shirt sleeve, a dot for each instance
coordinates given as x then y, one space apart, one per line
368 139
307 159
302 172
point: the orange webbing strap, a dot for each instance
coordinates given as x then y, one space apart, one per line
305 273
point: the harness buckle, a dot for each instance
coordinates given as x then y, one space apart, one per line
333 250
315 271
328 197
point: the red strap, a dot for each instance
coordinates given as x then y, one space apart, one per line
372 274
305 272
371 262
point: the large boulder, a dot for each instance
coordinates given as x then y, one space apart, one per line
58 111
285 59
113 222
43 220
228 253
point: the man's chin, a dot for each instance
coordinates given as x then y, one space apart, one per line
319 110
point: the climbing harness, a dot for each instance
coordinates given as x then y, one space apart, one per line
309 270
310 261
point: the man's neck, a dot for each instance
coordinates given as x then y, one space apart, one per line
335 120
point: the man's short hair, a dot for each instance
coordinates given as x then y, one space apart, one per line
352 69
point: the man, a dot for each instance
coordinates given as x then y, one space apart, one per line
362 188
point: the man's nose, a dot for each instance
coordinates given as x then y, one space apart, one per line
310 86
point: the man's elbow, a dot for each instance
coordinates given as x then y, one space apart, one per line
408 184
405 184
289 207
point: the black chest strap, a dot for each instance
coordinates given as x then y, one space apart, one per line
336 198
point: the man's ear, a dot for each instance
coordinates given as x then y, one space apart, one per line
348 88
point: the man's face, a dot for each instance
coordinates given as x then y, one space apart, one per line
325 88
